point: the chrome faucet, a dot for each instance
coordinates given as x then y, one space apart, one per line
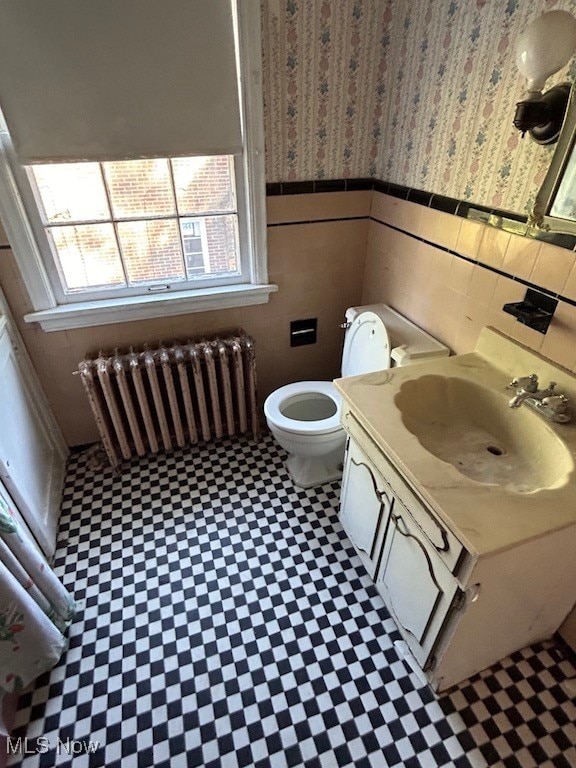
552 405
524 386
527 386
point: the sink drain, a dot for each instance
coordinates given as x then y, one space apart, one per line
495 450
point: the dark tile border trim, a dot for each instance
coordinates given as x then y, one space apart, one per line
319 185
497 271
422 198
495 217
446 204
317 221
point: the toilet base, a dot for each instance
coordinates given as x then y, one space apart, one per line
309 473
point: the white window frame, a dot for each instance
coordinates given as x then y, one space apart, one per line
54 316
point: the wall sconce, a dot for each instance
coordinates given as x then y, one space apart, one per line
544 47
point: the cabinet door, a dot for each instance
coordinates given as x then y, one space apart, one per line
416 585
365 504
32 461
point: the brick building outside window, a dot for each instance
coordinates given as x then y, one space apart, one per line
127 223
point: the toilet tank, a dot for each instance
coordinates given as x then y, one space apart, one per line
406 341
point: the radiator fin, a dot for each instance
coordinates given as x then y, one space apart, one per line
103 371
151 399
128 404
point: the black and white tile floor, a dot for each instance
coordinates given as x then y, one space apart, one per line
225 621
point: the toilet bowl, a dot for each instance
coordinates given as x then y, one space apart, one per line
304 417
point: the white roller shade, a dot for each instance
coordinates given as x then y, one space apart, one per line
118 79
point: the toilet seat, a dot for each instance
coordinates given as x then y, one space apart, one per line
276 400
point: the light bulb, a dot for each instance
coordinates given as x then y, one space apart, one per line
545 46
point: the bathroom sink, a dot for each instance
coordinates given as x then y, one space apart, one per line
472 427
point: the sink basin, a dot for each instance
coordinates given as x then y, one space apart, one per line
472 427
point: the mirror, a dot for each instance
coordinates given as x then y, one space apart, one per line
555 204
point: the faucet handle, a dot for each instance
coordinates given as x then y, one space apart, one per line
556 403
527 383
557 407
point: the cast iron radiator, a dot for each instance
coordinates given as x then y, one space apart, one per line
153 399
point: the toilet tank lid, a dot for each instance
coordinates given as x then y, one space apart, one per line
407 340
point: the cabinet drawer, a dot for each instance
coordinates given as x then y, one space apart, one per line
447 546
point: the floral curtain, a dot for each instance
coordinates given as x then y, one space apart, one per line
35 609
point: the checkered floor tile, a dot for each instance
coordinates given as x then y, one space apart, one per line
225 621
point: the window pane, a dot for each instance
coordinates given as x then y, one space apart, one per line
140 188
88 256
204 184
219 247
138 232
151 251
193 245
71 192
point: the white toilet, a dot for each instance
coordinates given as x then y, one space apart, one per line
304 417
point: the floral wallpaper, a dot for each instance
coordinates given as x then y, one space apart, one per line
325 68
409 91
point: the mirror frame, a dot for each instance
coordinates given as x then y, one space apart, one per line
540 216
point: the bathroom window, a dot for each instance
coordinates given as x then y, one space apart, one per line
132 226
100 238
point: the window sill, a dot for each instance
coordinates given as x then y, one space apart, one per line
106 312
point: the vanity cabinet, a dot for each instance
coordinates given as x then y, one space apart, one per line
407 552
471 567
457 612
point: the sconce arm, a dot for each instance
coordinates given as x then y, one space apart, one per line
542 116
